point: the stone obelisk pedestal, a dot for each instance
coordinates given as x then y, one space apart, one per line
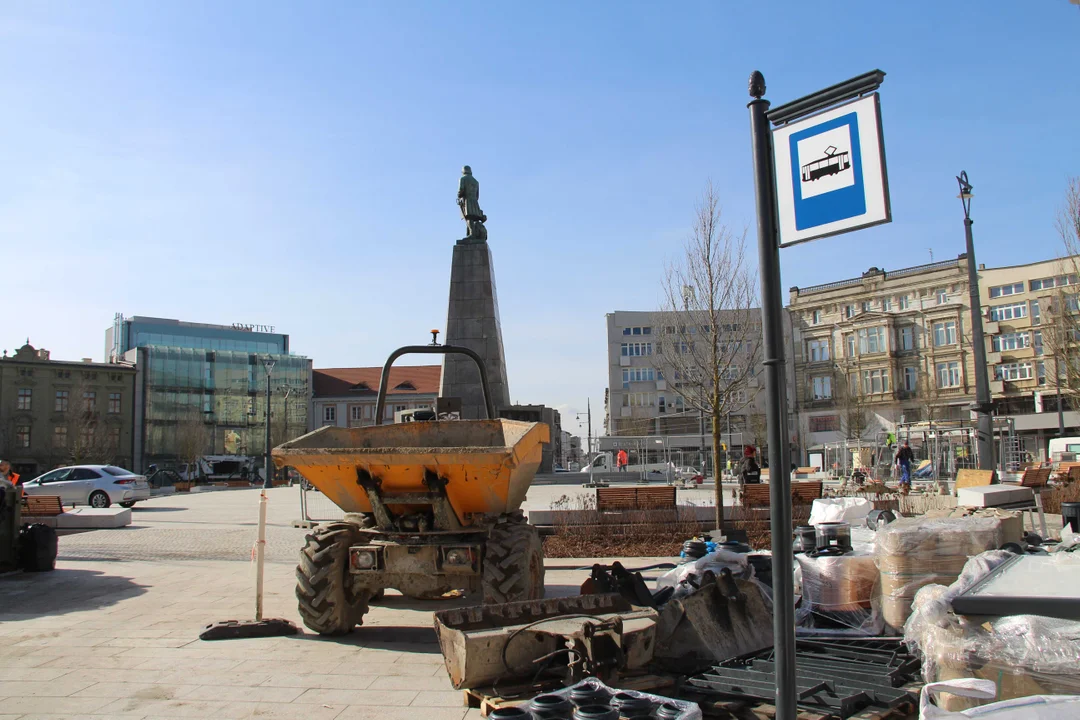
473 322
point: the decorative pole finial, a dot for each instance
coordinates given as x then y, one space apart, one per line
757 84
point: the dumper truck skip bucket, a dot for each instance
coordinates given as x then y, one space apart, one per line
429 507
487 465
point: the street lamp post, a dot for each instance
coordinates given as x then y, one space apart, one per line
983 404
268 481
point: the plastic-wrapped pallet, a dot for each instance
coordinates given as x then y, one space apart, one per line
912 553
843 589
1025 655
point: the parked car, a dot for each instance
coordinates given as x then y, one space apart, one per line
98 486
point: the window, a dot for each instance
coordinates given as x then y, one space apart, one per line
89 401
849 344
906 336
636 349
865 305
114 403
22 402
356 412
875 382
1037 342
942 296
63 374
945 333
904 302
849 311
61 403
1011 341
22 436
825 423
737 397
661 404
1014 371
731 372
1072 302
1004 290
637 331
639 399
368 412
871 340
1036 315
911 379
948 374
822 387
816 317
329 413
1053 282
59 437
1040 372
114 437
1008 312
817 350
886 304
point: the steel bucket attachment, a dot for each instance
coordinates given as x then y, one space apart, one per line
569 638
724 618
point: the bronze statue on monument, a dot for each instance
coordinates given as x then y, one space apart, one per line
468 198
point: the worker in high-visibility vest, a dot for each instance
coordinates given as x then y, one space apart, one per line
6 473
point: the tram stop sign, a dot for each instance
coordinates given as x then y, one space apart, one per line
830 172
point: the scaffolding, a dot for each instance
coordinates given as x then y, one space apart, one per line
946 447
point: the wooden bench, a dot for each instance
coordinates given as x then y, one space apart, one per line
1036 478
635 498
802 493
42 506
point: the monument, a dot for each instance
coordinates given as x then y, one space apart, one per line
472 319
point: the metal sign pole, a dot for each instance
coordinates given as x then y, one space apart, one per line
772 308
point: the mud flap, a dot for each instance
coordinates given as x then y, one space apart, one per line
724 618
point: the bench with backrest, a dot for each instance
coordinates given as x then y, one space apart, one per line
802 493
1036 478
41 506
635 498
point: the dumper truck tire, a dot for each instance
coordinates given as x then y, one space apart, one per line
326 601
513 562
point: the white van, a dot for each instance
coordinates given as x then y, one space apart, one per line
1065 449
605 462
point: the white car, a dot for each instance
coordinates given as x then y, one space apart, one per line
98 486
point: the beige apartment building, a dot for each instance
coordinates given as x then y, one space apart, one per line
895 346
880 349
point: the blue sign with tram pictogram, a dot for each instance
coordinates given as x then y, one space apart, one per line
830 171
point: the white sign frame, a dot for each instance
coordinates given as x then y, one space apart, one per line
830 172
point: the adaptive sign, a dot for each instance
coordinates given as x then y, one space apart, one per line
830 172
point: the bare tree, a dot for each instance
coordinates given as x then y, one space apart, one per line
86 435
707 332
1061 332
928 394
192 439
854 407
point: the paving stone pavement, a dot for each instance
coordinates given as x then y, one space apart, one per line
113 631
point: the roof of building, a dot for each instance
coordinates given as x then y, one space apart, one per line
404 380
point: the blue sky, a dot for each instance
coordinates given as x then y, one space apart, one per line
295 164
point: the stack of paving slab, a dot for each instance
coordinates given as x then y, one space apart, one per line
85 518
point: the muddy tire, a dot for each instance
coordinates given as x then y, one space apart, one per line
513 562
327 604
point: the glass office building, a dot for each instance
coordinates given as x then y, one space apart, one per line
134 332
222 391
208 382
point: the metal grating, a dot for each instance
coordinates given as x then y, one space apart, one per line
838 676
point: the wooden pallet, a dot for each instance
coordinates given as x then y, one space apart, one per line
488 699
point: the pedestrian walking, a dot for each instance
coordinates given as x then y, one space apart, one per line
904 458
